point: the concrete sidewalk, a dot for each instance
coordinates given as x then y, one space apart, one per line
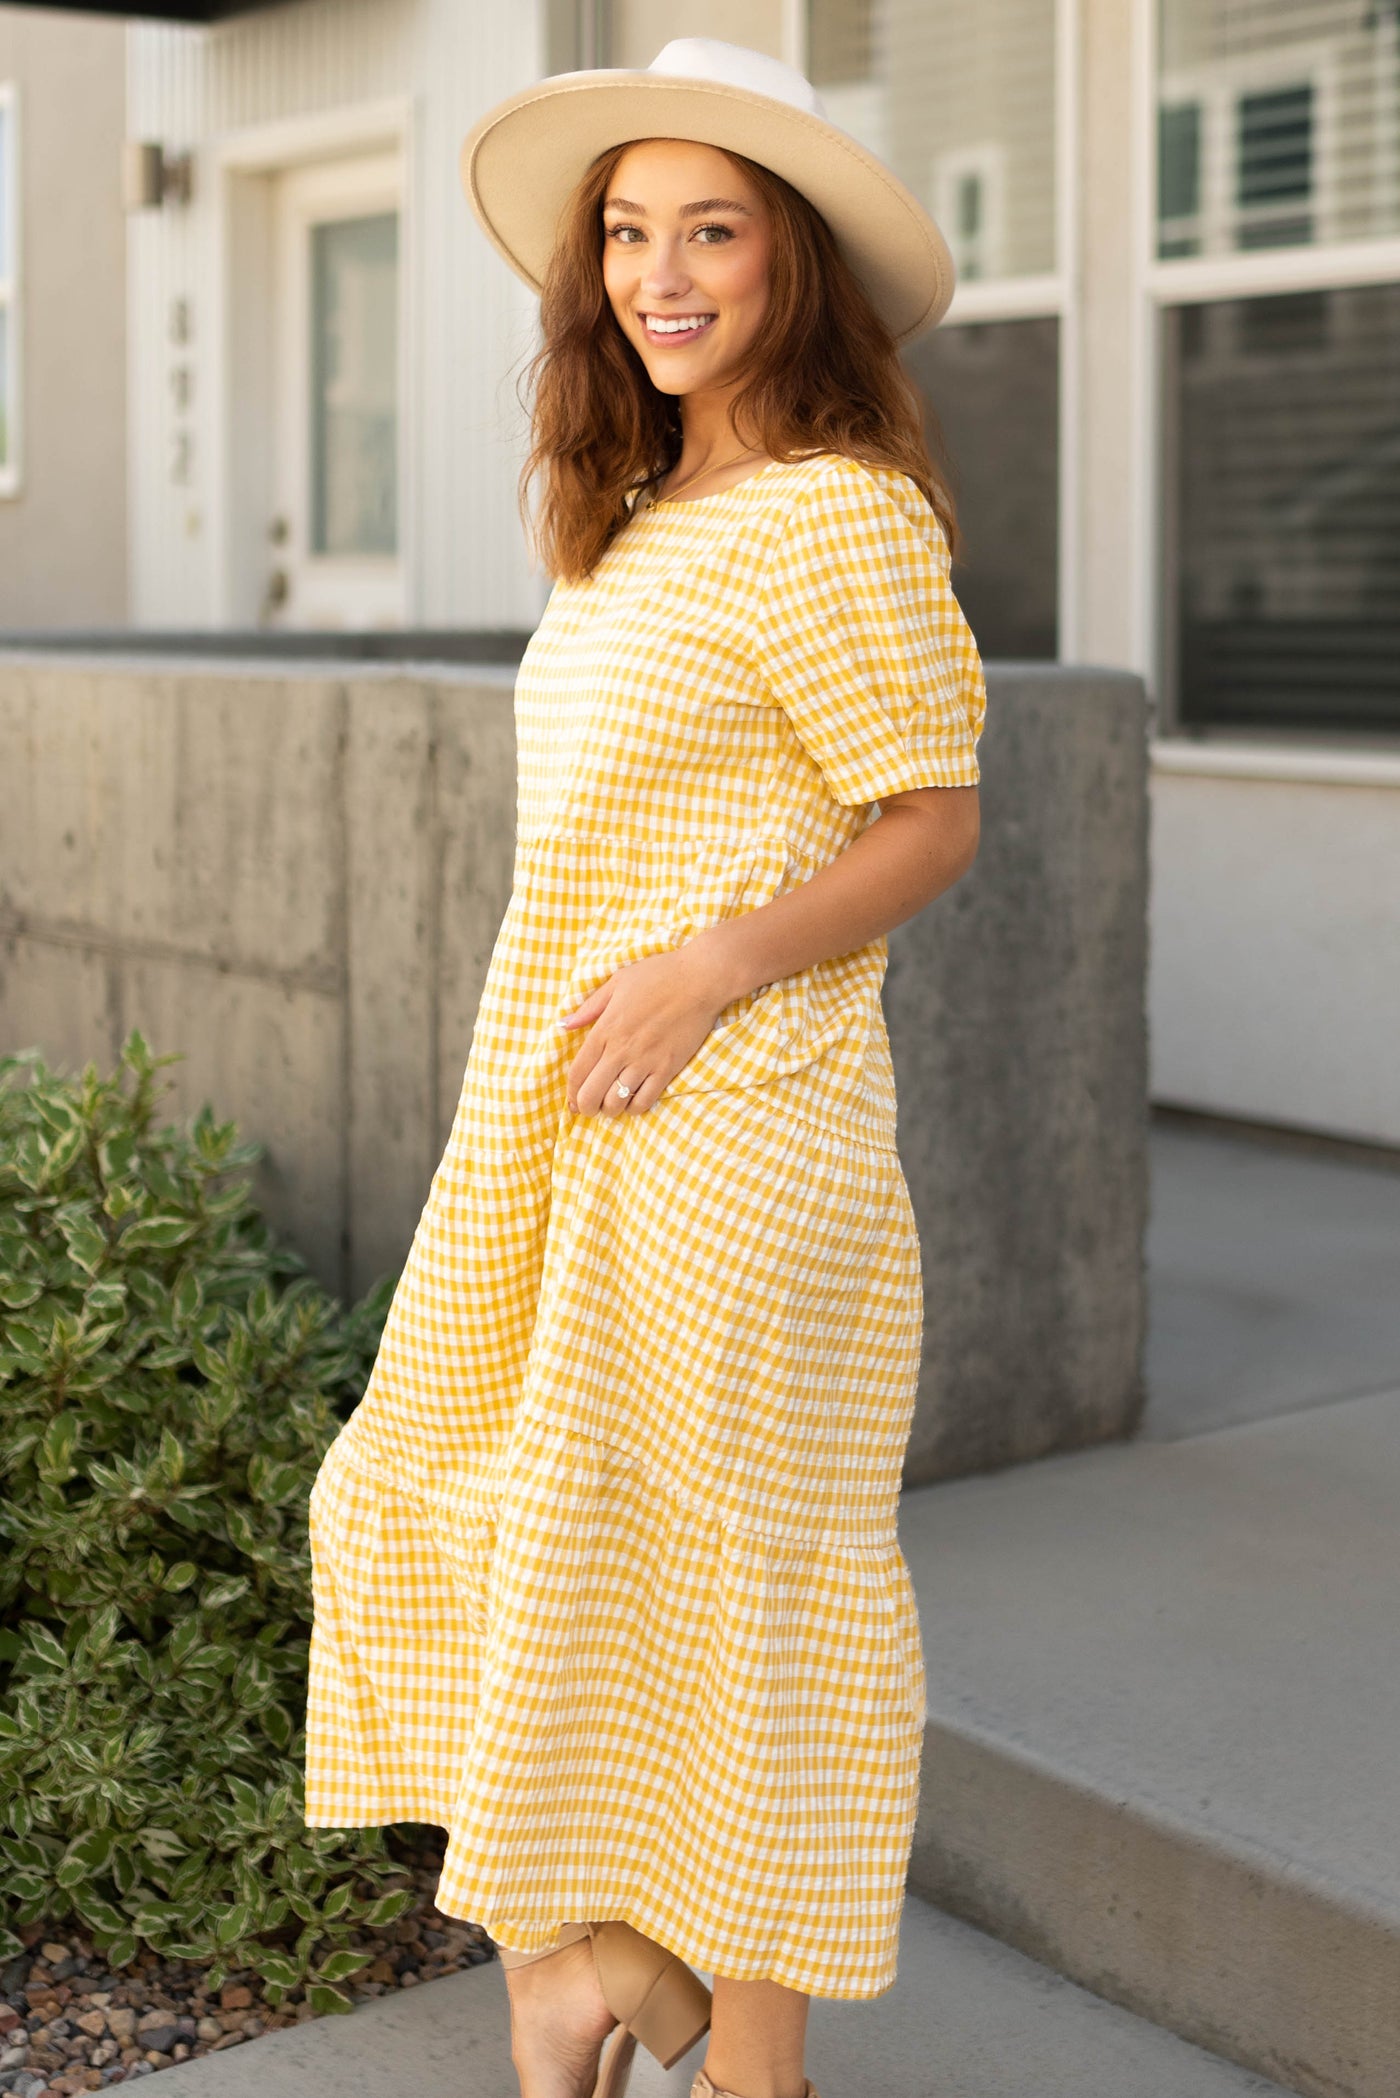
966 2018
1273 1277
1163 1746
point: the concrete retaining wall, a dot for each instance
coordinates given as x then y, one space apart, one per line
296 874
1016 1016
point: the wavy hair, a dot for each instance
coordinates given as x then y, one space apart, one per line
822 376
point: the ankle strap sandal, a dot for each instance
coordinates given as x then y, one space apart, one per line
655 1997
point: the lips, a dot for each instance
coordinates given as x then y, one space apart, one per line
677 327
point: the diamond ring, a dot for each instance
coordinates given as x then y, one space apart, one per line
624 1092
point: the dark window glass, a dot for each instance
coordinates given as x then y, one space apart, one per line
994 387
1274 160
1179 160
1287 509
1179 179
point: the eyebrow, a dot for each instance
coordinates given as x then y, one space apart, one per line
688 211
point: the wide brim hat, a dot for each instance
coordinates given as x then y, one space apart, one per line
522 162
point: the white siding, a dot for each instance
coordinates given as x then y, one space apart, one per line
470 321
1275 940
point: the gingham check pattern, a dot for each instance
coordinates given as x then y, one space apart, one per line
607 1579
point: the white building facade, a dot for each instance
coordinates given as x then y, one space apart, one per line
1170 384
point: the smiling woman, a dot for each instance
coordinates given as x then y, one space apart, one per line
608 1577
750 338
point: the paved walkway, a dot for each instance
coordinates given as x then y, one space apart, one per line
1274 1276
967 2018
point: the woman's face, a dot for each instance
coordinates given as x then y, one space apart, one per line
686 241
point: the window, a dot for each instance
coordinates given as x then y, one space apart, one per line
1278 160
1179 178
967 203
1277 126
940 91
961 103
354 385
1288 503
9 313
995 388
1274 166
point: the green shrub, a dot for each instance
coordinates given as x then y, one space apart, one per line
169 1380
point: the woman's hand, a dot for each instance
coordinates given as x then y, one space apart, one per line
644 1025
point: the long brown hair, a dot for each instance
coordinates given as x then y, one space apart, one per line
823 376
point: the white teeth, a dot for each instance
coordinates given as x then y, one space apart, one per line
678 327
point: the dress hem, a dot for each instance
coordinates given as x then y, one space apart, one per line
695 1954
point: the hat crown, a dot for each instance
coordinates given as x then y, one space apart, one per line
734 65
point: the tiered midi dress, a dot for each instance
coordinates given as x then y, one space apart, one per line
606 1575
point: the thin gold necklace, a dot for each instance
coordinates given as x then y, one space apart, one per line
714 467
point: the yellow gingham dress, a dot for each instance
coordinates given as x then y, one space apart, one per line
606 1575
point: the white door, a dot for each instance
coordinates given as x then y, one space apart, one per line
335 557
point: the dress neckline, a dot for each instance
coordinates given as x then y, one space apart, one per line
684 502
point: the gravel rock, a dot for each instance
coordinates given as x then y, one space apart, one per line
158 2038
69 2024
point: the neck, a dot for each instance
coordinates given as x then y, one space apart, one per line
707 429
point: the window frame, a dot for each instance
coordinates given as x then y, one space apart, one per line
10 287
1045 296
1317 265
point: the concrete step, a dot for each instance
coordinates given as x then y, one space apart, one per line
966 2018
1163 1744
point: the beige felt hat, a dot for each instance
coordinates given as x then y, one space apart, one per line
522 162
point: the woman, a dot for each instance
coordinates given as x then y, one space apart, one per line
607 1580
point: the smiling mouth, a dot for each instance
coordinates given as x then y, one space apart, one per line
681 327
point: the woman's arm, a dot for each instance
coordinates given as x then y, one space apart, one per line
648 1020
923 841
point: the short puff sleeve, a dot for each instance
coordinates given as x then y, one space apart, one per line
862 642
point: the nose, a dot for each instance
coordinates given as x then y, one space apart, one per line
664 276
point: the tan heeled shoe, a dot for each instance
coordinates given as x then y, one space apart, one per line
655 1997
703 2088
